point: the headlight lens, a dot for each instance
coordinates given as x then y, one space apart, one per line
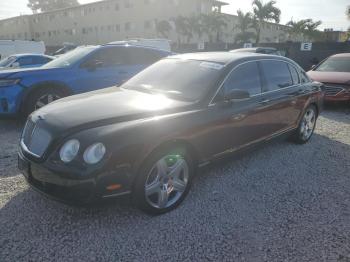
69 150
94 153
8 82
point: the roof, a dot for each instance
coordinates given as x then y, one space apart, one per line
220 3
29 54
347 55
253 49
222 57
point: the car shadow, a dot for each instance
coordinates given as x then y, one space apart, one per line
234 193
34 202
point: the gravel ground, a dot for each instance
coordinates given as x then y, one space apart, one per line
281 202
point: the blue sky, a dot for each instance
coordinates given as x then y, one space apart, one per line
332 13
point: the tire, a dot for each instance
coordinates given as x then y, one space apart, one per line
306 126
158 192
40 98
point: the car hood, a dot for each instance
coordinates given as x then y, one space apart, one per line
107 106
20 72
330 77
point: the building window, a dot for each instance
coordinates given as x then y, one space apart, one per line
127 4
116 7
117 28
127 26
147 24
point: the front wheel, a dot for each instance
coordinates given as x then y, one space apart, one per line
40 98
164 181
306 126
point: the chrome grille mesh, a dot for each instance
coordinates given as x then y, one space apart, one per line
333 90
35 139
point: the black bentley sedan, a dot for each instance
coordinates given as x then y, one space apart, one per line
147 137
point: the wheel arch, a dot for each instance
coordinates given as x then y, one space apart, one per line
169 144
46 84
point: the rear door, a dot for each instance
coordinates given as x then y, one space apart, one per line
280 95
140 58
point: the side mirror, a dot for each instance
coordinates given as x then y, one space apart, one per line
237 94
15 65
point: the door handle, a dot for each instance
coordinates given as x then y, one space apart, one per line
264 102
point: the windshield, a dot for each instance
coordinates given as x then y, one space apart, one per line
70 58
185 79
335 64
7 61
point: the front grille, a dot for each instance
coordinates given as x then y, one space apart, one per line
35 139
331 90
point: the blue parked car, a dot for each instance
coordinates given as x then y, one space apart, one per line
24 61
81 70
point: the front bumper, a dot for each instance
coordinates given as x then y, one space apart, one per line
10 98
73 191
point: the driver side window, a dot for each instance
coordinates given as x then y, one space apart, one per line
245 77
107 57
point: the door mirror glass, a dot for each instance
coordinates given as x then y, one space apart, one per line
237 94
15 65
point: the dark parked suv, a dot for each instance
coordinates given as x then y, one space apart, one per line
147 137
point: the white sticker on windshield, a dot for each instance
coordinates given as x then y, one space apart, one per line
211 65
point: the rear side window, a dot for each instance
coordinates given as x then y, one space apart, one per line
277 74
37 60
295 75
23 61
142 56
244 77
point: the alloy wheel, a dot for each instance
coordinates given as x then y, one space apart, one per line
45 100
308 124
167 181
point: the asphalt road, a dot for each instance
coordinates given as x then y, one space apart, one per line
280 202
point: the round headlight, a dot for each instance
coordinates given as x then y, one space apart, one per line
69 150
94 153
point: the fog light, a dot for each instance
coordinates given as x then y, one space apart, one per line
94 153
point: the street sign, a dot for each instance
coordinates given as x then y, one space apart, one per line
306 47
201 46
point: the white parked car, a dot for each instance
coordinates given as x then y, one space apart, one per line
12 47
162 44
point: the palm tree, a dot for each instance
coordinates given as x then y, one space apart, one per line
245 22
348 15
305 27
163 28
182 28
213 24
195 23
265 13
311 30
296 28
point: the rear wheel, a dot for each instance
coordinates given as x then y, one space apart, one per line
306 126
164 181
40 98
